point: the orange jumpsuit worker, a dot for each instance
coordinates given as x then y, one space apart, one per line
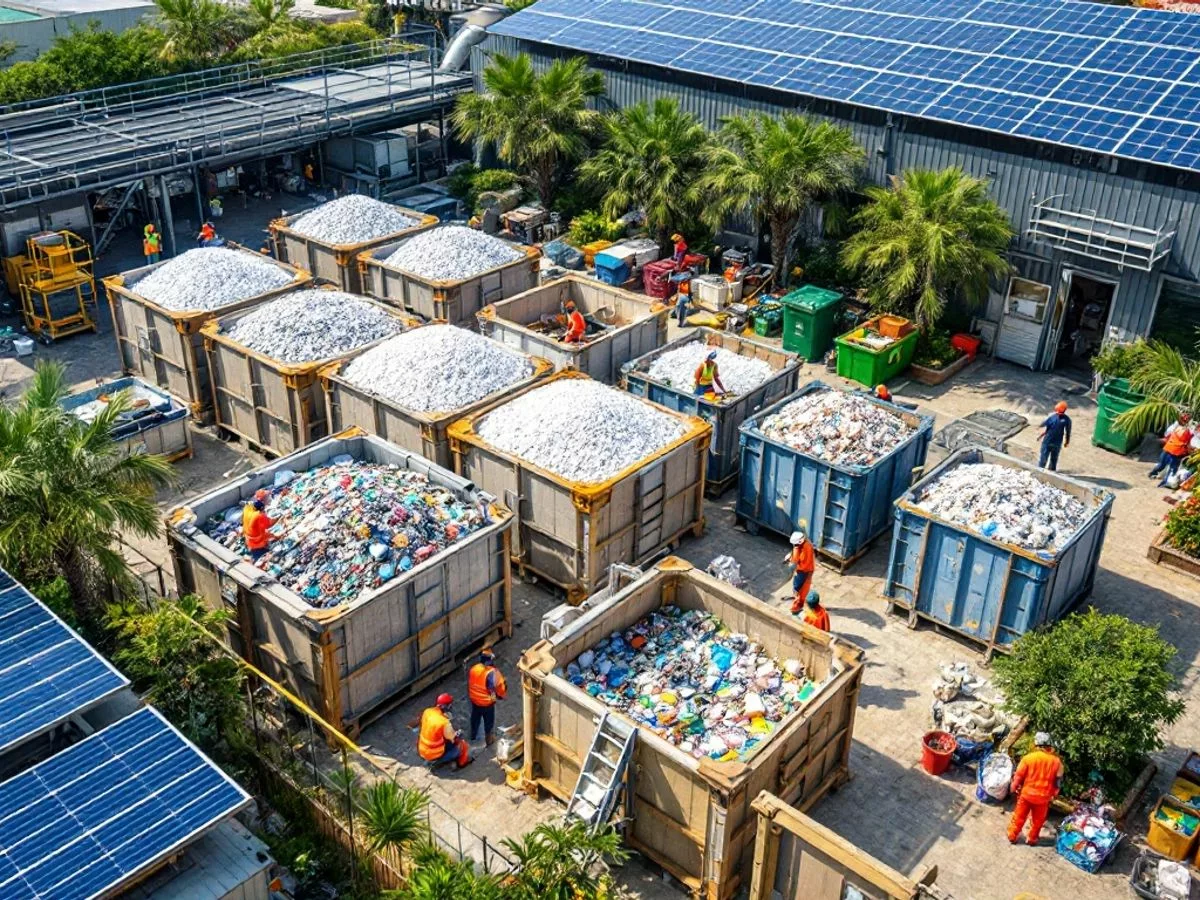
151 244
437 741
1037 781
681 250
255 525
882 392
814 613
803 562
485 685
207 235
576 325
707 375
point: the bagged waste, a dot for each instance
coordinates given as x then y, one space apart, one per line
966 706
686 677
438 368
838 427
209 278
579 429
347 527
1012 506
307 326
727 569
740 374
994 778
452 253
352 219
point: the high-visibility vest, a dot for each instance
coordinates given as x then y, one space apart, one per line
1177 441
477 689
150 244
1038 776
817 618
255 523
803 559
576 325
705 373
431 743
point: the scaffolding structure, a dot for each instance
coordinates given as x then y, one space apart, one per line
58 285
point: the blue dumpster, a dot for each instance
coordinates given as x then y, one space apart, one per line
843 508
987 591
156 423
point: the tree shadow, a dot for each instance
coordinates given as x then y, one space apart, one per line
858 614
1111 483
884 697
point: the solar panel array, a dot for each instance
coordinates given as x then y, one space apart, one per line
47 672
1110 79
104 811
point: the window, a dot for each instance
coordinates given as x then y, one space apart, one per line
1177 318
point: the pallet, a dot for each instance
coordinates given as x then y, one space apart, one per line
714 489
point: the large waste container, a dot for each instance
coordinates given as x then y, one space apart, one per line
1115 397
810 316
843 508
869 357
156 422
988 591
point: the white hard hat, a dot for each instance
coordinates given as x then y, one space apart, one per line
798 537
1043 739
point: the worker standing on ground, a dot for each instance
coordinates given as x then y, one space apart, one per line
151 244
207 235
803 563
576 324
707 375
485 685
437 741
255 525
1055 434
1037 781
1177 441
814 613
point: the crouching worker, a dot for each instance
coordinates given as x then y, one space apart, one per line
437 742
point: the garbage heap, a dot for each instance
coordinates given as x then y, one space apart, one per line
209 278
965 705
352 219
579 429
838 427
1009 505
347 527
709 691
739 374
452 253
438 368
307 326
139 399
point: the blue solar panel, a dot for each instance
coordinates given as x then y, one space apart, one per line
47 673
948 64
874 54
1080 126
1181 102
994 110
625 12
1017 75
969 36
100 813
1000 12
899 92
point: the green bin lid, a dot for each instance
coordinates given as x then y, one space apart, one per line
811 298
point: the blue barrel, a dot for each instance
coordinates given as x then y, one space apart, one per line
987 591
843 508
612 269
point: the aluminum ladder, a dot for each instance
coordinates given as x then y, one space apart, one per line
604 773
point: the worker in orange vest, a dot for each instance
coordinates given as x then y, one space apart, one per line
151 244
437 741
680 251
485 685
803 563
814 613
1037 781
576 325
207 235
882 392
1177 441
255 525
707 376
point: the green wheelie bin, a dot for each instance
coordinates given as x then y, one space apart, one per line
1115 397
810 317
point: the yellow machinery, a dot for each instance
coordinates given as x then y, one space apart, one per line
57 285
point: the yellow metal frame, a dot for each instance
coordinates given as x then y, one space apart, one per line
53 270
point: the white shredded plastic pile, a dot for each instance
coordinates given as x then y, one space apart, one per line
840 428
310 325
1009 505
739 374
208 278
352 219
452 253
437 368
580 430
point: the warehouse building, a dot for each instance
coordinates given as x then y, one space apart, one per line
1084 117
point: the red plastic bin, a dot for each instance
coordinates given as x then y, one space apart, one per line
967 343
656 278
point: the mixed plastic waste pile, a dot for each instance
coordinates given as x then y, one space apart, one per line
1163 878
208 278
306 326
1009 505
841 428
1087 837
709 691
347 527
968 708
727 569
438 368
352 219
579 429
452 253
739 374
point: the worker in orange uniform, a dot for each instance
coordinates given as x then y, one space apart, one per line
882 392
485 685
1037 781
256 524
803 563
708 375
681 251
576 325
437 741
151 244
1177 441
814 613
207 235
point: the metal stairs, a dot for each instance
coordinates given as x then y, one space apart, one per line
605 772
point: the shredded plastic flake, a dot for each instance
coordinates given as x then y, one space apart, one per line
452 253
209 278
306 326
352 219
838 427
739 374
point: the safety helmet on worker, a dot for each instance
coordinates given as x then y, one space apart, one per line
677 236
487 654
813 599
570 304
882 392
1043 739
712 355
262 494
443 701
798 537
1060 406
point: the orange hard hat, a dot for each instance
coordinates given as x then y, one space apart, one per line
1060 406
262 494
444 700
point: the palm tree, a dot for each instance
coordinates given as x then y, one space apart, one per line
272 15
1170 382
436 877
393 817
537 122
196 29
774 169
563 862
68 490
652 159
927 238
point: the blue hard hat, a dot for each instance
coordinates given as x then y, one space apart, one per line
712 355
813 598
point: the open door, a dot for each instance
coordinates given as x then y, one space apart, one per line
1061 298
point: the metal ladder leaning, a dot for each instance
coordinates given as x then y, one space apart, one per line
602 776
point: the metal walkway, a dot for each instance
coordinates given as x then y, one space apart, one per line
98 139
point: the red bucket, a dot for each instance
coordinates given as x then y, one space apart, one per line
936 749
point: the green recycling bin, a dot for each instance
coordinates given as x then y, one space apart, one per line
1115 397
810 318
869 366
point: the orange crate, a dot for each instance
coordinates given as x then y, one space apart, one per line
894 326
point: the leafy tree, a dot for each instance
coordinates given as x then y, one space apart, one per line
775 169
1101 685
593 226
1170 382
558 862
393 817
173 653
93 57
927 238
272 15
469 181
436 877
7 49
67 490
537 122
198 29
301 37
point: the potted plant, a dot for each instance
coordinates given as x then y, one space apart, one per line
1178 544
936 359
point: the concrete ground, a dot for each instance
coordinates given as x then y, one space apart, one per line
891 808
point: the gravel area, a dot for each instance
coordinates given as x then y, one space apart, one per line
452 253
739 374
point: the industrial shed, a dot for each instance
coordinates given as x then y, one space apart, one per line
1084 117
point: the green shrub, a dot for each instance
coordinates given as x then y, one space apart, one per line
594 226
934 350
469 181
1120 360
1183 526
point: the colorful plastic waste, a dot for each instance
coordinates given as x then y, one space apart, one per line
1087 837
838 427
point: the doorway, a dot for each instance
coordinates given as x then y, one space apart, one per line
1088 304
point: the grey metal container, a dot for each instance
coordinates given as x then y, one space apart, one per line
456 302
350 660
638 325
988 591
164 346
160 429
725 417
335 263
